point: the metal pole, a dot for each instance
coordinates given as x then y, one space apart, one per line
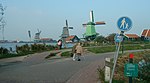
122 46
130 79
115 63
115 58
122 41
117 44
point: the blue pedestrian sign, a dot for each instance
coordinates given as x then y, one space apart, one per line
124 24
118 38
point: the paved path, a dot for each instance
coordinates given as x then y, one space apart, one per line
89 73
35 69
31 58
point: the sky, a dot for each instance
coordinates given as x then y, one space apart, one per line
49 16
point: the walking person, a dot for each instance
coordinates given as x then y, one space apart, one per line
59 44
79 51
74 52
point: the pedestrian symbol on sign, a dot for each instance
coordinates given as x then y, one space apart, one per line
124 24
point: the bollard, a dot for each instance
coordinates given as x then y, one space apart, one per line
107 70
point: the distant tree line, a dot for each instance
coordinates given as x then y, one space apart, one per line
99 40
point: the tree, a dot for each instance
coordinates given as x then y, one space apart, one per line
100 39
110 37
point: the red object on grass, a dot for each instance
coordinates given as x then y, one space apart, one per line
56 48
131 56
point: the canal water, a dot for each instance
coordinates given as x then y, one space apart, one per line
13 45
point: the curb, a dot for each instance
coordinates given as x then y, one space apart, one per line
8 61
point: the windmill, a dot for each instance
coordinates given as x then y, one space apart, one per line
90 33
37 35
65 33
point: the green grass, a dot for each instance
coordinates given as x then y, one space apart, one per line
118 81
7 55
66 54
102 49
113 48
14 55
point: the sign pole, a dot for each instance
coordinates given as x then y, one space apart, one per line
122 46
114 63
124 24
122 41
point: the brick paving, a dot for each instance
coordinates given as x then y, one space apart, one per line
87 75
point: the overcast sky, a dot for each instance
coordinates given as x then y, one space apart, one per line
49 16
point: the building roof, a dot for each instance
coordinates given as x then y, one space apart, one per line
70 37
45 39
146 33
131 35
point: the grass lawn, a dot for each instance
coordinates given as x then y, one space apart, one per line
113 48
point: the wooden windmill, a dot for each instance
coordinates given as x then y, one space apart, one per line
90 33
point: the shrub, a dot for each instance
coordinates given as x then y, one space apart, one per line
4 51
144 70
101 74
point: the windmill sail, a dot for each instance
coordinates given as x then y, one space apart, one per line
92 21
100 23
29 32
70 27
91 16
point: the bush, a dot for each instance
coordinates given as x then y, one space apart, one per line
25 50
86 44
4 51
144 70
7 55
101 74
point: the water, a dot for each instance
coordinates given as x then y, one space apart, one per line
13 45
